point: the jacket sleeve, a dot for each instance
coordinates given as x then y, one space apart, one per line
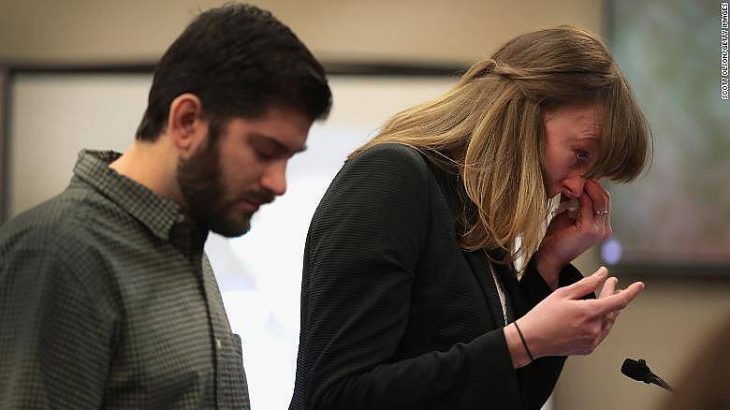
54 347
535 288
361 260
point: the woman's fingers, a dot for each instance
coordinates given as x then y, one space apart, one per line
609 287
595 209
586 285
617 301
601 202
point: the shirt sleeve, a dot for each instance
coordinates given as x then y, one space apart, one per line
54 346
361 260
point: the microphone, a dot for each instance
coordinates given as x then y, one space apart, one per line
639 371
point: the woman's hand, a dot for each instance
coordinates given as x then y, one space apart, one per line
565 324
566 238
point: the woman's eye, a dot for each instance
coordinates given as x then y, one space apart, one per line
582 157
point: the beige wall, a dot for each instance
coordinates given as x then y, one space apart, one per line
428 30
663 324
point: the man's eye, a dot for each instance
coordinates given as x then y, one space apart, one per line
265 154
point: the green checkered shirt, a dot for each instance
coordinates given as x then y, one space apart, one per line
108 301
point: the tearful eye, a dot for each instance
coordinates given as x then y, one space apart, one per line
582 157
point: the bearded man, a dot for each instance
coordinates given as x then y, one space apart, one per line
107 299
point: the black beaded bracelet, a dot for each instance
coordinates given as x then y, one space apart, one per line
524 343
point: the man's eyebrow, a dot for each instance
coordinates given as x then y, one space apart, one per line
280 146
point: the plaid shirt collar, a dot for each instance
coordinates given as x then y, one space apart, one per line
158 214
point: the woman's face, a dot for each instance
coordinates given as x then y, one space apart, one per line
571 148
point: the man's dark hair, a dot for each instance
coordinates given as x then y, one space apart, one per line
240 61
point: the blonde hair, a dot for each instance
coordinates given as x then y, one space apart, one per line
489 129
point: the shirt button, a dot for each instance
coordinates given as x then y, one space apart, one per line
180 218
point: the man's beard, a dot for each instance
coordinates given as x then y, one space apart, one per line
201 183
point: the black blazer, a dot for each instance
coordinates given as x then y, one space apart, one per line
394 314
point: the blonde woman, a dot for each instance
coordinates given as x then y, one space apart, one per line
410 297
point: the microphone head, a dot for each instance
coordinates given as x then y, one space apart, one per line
637 370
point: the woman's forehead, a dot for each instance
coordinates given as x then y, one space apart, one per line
580 121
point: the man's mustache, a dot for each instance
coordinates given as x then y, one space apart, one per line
261 197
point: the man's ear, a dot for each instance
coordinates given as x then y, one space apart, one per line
186 124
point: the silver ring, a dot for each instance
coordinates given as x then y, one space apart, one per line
601 212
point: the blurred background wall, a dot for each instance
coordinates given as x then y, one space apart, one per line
663 325
431 30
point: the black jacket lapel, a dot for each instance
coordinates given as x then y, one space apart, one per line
478 263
